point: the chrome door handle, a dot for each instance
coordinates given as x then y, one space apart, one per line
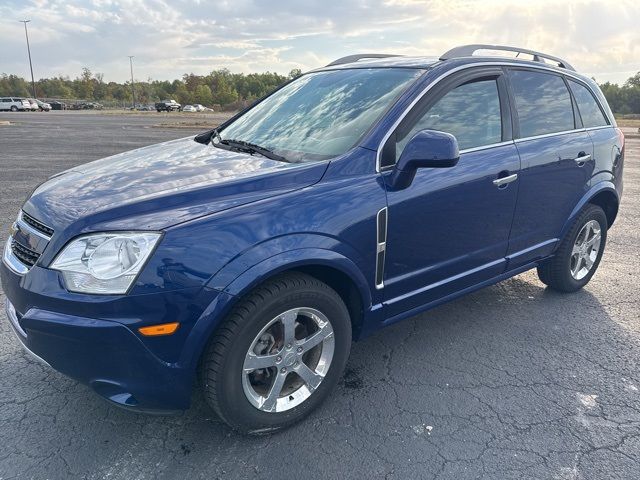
498 182
582 158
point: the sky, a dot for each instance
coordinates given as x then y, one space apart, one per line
171 37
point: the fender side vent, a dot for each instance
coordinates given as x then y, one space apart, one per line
381 242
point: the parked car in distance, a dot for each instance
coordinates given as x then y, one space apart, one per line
14 104
199 108
43 106
168 106
90 106
33 105
189 108
56 105
254 255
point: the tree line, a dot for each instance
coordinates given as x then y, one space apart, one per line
623 99
220 87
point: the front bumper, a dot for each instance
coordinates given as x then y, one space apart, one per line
21 335
105 355
95 340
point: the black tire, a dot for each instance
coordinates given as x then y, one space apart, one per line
221 372
556 272
14 108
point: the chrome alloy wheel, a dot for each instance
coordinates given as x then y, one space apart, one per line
585 250
288 359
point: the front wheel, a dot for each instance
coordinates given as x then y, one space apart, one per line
579 253
278 355
14 108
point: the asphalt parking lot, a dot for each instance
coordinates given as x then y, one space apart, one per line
513 381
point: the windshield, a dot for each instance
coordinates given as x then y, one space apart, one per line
320 115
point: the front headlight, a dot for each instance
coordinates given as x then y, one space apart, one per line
106 263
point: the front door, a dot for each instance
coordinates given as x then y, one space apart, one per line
450 228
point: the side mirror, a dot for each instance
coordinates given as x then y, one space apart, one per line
426 149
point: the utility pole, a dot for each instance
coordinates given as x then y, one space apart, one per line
133 87
33 83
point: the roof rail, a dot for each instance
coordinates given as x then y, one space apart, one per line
359 56
469 50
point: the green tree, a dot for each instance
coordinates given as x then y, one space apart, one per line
13 85
99 87
633 82
84 85
57 87
223 88
295 73
181 94
203 95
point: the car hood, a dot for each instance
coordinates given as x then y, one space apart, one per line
162 185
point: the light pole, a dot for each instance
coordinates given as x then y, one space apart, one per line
133 87
33 83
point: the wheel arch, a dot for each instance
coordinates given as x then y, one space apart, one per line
344 285
330 267
609 202
603 194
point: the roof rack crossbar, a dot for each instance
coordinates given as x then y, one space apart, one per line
469 50
359 56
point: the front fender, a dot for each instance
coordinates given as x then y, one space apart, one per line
603 186
298 258
289 251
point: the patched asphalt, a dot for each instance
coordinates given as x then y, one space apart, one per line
513 381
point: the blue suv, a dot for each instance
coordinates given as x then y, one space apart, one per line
355 196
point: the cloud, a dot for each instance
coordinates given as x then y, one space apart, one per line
168 38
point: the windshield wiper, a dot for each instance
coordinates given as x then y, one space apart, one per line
207 136
250 148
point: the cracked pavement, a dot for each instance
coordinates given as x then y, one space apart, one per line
513 381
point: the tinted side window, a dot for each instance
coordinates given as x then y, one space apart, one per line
471 112
590 112
543 103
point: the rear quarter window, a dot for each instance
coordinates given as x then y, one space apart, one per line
589 109
543 103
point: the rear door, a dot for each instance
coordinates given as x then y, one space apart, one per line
557 162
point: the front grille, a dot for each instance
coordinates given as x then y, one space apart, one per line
25 255
39 226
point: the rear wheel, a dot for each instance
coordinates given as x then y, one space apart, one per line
14 108
579 253
278 355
